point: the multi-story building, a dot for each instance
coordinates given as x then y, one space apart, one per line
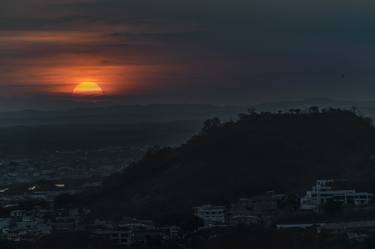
129 234
65 220
336 190
258 205
211 215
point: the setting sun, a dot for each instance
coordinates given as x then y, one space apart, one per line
88 88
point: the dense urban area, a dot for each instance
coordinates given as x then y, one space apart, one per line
33 215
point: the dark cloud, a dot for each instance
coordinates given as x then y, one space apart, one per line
220 51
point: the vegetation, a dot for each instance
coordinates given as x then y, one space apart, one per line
284 151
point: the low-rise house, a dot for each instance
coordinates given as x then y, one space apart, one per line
130 233
17 213
252 210
120 235
25 228
14 234
4 223
170 233
245 219
359 237
66 220
258 205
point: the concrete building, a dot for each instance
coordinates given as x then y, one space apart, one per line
257 205
26 228
129 234
336 190
66 220
211 215
17 213
244 219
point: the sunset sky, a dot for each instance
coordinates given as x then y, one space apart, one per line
186 51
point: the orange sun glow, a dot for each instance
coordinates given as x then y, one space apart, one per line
88 88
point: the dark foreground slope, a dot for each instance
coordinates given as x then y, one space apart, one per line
285 152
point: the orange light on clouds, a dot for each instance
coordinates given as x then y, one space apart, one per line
74 77
25 38
68 58
112 79
62 74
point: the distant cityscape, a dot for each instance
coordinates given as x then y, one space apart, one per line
65 165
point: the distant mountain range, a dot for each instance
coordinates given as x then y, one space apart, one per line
132 114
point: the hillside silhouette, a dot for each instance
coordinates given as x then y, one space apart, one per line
284 151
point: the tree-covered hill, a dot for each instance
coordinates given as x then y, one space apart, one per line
285 152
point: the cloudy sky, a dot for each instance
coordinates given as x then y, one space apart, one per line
186 51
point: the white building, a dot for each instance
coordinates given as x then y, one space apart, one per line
211 215
17 213
26 228
325 190
128 234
